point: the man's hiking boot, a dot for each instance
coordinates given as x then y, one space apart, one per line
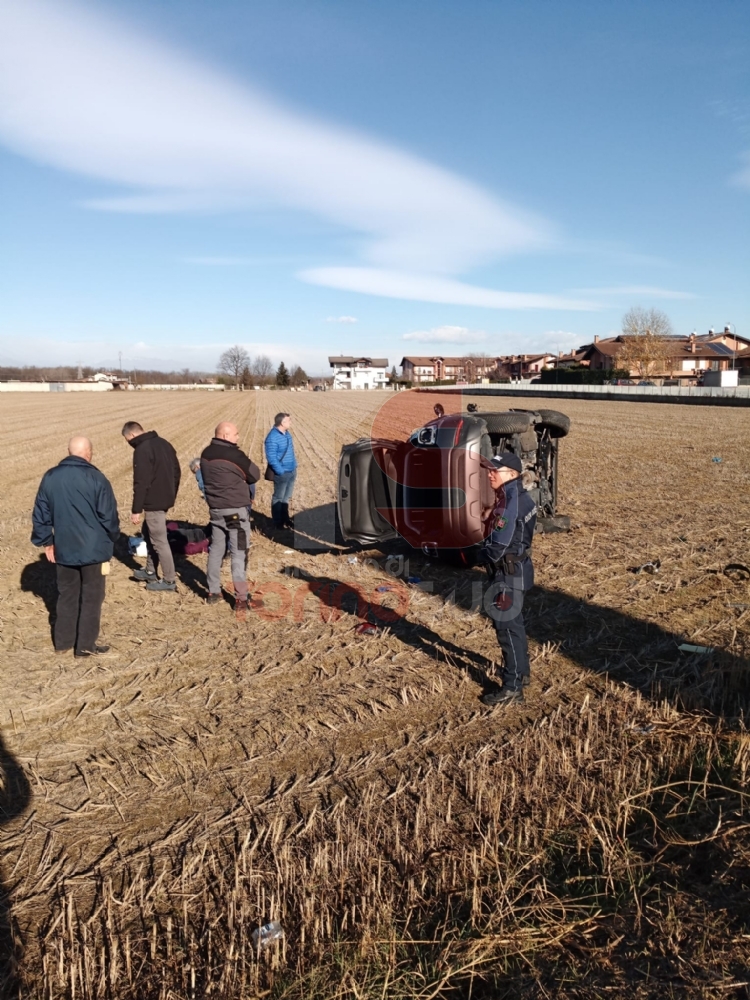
213 598
143 575
96 651
161 585
241 603
503 696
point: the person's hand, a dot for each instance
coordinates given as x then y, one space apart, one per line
135 518
49 551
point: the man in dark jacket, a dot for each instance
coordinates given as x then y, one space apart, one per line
507 555
156 479
227 476
75 521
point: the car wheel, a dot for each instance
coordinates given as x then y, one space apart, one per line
505 424
557 423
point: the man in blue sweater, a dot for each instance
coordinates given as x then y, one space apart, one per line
279 448
76 523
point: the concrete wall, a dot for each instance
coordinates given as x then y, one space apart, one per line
706 395
55 387
181 385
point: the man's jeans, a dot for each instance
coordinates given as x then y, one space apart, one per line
159 552
80 595
231 524
283 487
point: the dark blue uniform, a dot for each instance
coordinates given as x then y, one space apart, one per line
506 552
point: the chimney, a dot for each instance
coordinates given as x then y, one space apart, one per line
559 354
711 332
596 338
727 330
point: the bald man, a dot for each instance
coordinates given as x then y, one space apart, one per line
228 474
75 521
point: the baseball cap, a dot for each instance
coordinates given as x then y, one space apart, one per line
506 460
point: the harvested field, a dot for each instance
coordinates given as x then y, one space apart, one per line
213 773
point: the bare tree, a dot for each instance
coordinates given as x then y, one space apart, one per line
646 347
262 369
233 361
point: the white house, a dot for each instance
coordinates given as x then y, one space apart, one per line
359 373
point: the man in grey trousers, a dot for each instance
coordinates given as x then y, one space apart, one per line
227 475
156 479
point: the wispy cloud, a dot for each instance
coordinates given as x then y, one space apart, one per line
435 288
87 94
447 335
342 319
629 290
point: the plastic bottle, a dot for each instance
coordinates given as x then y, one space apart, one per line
267 934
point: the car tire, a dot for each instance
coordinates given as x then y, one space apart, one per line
556 423
506 423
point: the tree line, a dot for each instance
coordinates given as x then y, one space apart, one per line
237 367
71 373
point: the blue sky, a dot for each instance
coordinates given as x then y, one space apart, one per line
384 178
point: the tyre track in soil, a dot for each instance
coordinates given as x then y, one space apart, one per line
196 715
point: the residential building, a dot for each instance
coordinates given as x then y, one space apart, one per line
523 366
359 373
439 369
688 356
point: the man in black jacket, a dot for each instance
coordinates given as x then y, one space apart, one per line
156 479
75 522
227 476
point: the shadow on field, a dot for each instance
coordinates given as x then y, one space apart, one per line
40 578
15 795
599 639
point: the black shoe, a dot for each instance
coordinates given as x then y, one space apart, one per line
289 523
143 575
241 604
158 585
96 651
503 696
213 598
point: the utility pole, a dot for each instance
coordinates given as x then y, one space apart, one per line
120 356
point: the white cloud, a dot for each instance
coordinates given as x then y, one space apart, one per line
434 288
446 335
649 290
89 95
342 319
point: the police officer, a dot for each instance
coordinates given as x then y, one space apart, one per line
506 554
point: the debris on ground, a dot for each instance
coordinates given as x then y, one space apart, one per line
267 934
687 647
736 572
647 567
367 629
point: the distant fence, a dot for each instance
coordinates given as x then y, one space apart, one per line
211 387
96 387
56 387
700 395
